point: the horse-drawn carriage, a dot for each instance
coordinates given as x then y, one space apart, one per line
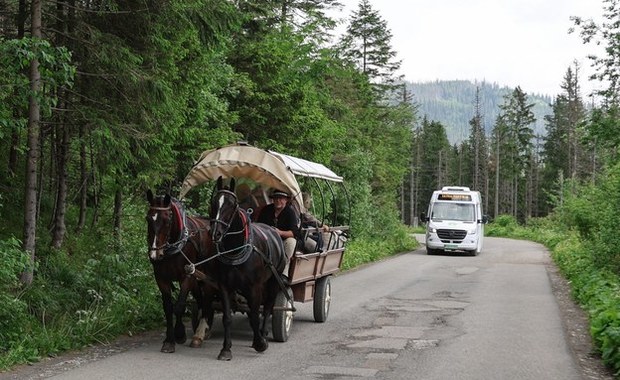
244 258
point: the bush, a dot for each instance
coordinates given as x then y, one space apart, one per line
14 319
364 250
598 292
102 289
503 225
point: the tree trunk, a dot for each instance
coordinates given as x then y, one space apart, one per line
496 209
118 211
59 230
30 201
402 201
96 188
21 26
83 181
412 199
62 144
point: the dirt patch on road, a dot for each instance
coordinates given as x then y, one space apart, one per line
577 329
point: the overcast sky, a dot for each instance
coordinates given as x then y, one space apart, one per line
508 42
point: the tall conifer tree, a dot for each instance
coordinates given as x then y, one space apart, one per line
513 150
367 44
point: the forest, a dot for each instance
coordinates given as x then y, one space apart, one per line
451 103
102 100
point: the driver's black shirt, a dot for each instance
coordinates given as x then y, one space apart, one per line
286 221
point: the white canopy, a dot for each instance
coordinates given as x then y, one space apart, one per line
268 168
306 168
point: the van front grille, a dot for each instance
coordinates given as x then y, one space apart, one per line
451 236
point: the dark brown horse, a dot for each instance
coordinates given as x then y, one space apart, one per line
177 244
250 257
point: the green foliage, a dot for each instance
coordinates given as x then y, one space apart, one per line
16 55
103 289
369 249
593 211
597 291
366 45
503 225
13 325
604 33
433 159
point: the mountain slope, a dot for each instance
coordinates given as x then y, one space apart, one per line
452 104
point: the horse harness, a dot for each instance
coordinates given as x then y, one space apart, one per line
171 249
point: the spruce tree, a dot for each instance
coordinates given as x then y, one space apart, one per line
603 126
478 146
565 152
367 45
513 150
434 163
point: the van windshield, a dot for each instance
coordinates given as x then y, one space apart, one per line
464 212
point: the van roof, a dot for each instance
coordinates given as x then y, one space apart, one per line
455 188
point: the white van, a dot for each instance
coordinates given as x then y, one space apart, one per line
454 221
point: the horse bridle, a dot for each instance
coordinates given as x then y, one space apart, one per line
227 226
171 248
165 245
243 251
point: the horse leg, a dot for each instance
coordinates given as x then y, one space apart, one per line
226 353
259 343
271 290
200 334
203 331
166 297
180 335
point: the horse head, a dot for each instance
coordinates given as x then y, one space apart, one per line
159 220
224 209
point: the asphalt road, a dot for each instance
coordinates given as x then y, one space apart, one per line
412 316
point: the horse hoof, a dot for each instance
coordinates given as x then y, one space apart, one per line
224 355
196 343
260 346
167 348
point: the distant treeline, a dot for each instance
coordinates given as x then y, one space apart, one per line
452 102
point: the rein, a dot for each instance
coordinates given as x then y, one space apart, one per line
244 250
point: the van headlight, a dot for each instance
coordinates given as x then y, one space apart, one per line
432 230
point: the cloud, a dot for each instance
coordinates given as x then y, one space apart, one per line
510 42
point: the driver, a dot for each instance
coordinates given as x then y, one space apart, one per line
281 215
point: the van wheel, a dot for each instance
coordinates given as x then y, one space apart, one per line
473 252
431 251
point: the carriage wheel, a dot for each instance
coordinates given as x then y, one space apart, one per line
282 318
322 299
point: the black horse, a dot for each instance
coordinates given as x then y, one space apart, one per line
176 244
250 257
